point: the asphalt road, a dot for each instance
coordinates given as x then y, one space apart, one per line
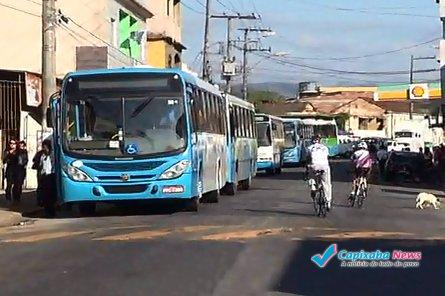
259 242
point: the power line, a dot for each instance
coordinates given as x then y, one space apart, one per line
191 8
368 55
98 38
20 10
200 3
398 72
366 11
75 36
35 2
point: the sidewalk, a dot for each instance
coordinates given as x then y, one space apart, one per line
11 214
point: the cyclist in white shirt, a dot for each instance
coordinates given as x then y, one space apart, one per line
318 160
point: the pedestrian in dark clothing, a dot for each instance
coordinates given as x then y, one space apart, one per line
36 166
22 155
47 183
11 160
428 156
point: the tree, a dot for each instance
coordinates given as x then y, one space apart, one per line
261 96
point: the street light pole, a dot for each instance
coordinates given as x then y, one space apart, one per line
411 104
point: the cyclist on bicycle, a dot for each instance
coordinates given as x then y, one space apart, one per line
362 161
318 160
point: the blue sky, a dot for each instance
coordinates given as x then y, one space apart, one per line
318 31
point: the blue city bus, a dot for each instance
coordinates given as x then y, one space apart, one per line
293 144
309 125
242 144
270 131
139 134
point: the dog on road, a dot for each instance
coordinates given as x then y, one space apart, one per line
426 200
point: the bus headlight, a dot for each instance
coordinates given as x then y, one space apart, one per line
176 170
76 174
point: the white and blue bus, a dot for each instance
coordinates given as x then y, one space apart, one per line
270 136
139 134
242 144
293 144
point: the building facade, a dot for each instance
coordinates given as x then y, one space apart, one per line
91 34
116 27
164 41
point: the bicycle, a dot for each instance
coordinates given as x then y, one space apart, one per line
360 194
319 196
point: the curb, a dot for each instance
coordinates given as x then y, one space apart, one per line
9 218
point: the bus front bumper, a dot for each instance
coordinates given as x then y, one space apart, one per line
180 188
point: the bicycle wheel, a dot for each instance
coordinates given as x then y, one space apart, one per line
361 196
322 204
351 200
315 201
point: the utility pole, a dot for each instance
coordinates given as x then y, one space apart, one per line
411 103
229 68
411 80
205 61
246 50
48 56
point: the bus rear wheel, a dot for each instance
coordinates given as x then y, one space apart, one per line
230 189
245 184
87 209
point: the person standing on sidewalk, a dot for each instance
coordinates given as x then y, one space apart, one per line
11 160
47 183
22 155
36 166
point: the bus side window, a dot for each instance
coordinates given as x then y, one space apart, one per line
252 115
193 109
237 122
248 123
219 117
232 122
224 115
243 124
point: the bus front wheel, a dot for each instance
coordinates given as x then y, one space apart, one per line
87 209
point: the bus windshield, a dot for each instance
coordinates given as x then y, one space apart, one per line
264 134
290 138
325 130
122 116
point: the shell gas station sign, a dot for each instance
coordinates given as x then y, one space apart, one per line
419 91
404 92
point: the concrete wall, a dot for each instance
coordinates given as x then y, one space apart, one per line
157 53
169 25
161 23
20 33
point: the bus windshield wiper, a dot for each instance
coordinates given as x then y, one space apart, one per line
141 107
